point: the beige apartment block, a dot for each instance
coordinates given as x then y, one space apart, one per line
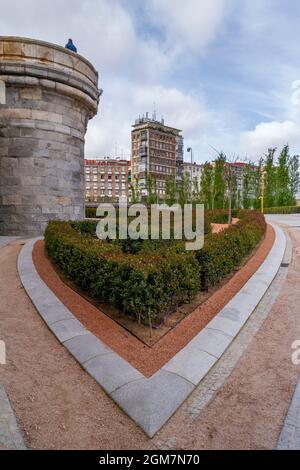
106 179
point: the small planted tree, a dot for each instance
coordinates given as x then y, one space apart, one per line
294 176
219 183
184 190
207 177
135 196
270 179
151 190
229 178
171 191
197 198
284 196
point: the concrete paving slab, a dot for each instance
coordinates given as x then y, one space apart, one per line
67 329
289 438
85 347
212 341
151 402
111 371
191 364
227 326
10 435
54 313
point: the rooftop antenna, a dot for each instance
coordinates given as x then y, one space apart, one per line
154 112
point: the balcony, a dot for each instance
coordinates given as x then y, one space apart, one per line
142 151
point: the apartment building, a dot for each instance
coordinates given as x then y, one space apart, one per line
238 169
106 179
157 153
193 171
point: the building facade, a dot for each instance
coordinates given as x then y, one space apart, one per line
193 171
238 169
156 153
106 179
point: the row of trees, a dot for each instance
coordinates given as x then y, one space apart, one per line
277 179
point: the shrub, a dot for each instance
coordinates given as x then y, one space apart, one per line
225 250
148 278
219 216
90 212
146 290
282 210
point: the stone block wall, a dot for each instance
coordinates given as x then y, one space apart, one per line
47 96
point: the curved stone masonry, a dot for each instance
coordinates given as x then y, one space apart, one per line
150 402
47 96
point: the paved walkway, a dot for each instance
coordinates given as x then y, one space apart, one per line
243 402
10 436
289 438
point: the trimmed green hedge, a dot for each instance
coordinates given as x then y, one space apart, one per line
145 285
224 251
219 216
282 210
90 212
147 279
209 217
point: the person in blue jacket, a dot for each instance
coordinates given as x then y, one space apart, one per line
71 46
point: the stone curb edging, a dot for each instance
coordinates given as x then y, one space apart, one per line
10 435
150 402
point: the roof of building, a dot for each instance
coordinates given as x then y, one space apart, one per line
106 161
145 122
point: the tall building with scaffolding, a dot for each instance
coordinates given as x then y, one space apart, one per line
156 153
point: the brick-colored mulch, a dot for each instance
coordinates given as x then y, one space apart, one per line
144 358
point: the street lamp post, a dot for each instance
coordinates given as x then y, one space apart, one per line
190 150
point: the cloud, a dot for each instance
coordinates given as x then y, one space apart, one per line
191 24
198 60
104 32
113 125
266 135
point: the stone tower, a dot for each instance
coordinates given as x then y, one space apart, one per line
47 96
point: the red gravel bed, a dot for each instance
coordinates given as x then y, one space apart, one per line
144 358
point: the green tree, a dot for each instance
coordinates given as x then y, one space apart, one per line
252 185
184 190
171 191
294 177
270 179
284 196
151 190
219 184
197 198
256 183
207 185
135 196
235 195
247 186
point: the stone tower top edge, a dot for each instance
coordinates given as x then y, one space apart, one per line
38 42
